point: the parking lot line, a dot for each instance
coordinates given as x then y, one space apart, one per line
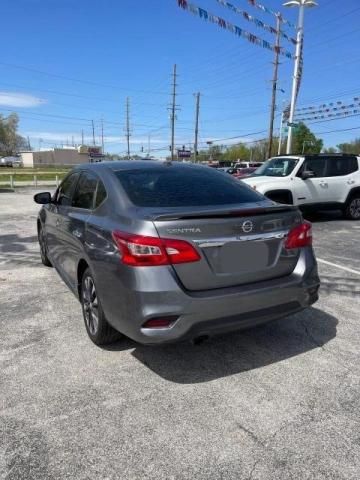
356 272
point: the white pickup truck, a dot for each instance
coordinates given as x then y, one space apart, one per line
319 182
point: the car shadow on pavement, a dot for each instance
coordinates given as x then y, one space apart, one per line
14 243
242 351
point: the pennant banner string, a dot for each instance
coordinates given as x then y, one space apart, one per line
205 15
257 5
327 110
257 22
341 114
325 105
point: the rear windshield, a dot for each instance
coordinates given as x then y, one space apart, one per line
183 187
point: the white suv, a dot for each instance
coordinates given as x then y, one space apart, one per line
312 181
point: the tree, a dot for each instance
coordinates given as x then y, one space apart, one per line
305 141
10 141
351 147
330 150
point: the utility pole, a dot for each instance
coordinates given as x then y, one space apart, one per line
102 136
128 126
173 110
93 131
274 84
29 145
196 126
82 137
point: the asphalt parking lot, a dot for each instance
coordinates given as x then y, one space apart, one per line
281 401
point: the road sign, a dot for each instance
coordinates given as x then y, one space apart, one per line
293 124
184 153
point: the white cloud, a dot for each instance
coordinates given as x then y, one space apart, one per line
14 99
63 137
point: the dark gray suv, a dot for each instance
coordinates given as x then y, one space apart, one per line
167 251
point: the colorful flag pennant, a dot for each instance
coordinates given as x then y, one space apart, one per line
255 4
257 22
205 15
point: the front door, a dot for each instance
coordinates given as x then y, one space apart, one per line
56 214
315 189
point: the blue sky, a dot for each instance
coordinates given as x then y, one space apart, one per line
67 62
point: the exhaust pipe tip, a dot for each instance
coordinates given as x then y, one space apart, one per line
200 339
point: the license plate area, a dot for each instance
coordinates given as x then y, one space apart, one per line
241 257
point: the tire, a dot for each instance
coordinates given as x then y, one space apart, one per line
43 248
97 327
352 208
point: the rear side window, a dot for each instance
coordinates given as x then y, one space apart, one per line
340 166
170 186
66 189
85 191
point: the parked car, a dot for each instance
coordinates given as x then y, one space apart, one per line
323 181
230 170
11 162
166 251
241 165
245 172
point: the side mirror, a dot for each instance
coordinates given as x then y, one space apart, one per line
307 174
43 198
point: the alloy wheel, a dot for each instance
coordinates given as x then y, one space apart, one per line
355 208
91 305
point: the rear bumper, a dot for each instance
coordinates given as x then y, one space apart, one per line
210 312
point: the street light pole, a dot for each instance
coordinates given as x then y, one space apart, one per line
298 54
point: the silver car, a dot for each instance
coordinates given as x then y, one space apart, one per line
167 251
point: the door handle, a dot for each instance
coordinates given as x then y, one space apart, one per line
58 223
324 184
351 182
77 233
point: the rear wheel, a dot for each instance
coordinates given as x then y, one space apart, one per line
97 327
352 208
43 248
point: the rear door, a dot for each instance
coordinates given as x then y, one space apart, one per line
340 177
74 224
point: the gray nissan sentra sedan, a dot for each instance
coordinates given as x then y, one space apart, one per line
166 251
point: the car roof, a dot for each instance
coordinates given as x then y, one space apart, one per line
136 165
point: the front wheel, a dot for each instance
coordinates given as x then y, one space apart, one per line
97 327
352 208
43 248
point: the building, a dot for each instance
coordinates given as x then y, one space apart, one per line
61 156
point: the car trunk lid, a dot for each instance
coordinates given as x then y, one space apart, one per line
237 245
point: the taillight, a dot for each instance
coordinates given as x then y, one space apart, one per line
141 251
300 236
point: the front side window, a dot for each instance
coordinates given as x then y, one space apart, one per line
85 191
66 189
315 165
277 167
171 186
